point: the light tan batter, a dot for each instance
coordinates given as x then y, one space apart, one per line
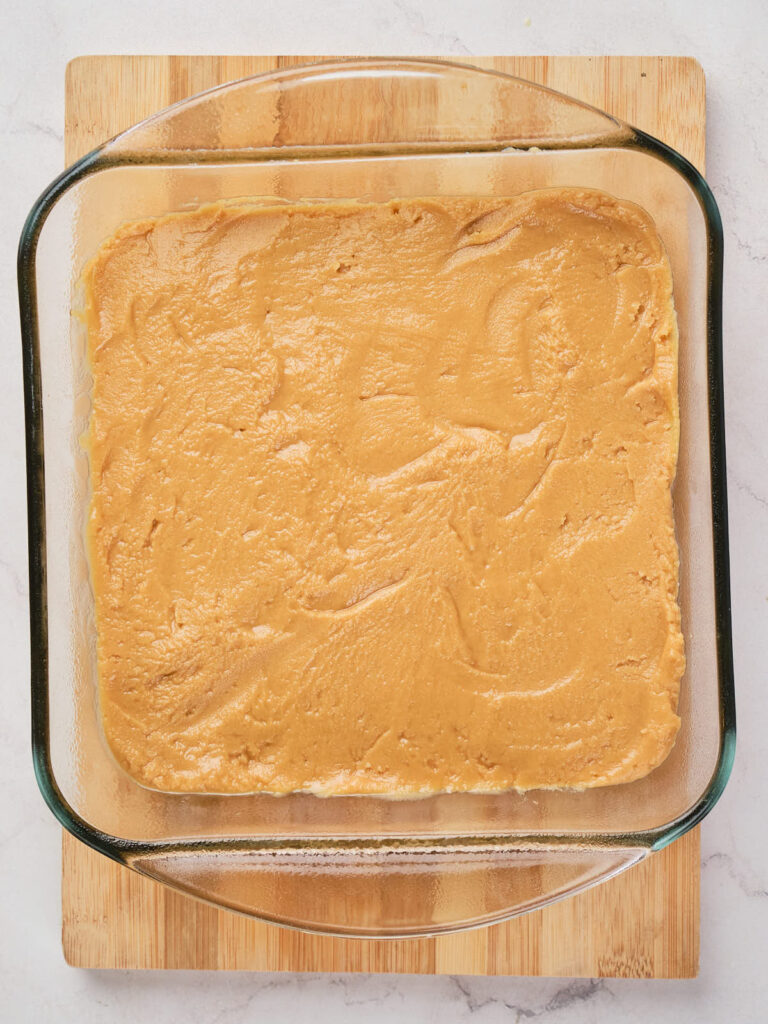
382 495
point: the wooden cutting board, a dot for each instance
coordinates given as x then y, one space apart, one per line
643 924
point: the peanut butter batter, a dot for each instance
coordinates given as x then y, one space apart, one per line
382 495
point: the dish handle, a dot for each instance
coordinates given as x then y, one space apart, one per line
385 891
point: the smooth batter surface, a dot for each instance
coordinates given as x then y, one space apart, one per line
382 495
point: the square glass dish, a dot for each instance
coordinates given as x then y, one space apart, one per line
371 130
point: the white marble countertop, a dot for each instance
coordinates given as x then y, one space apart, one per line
731 41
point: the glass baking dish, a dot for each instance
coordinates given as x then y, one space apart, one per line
365 129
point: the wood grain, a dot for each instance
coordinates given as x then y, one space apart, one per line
643 924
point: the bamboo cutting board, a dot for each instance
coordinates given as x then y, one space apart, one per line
643 924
